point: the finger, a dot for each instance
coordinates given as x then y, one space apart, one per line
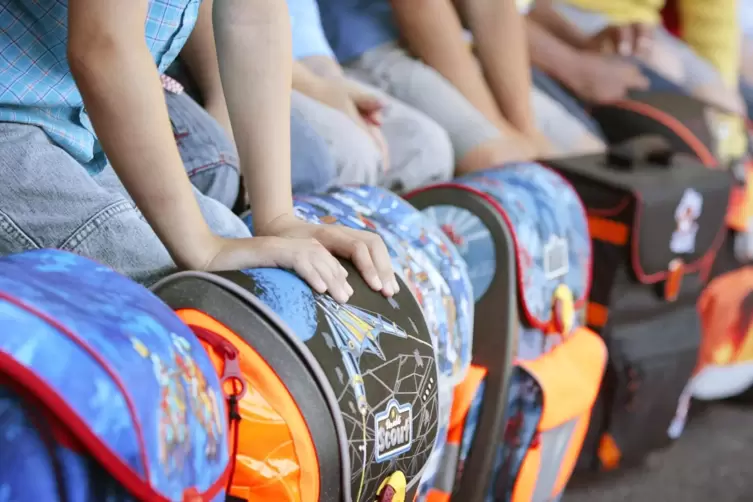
305 269
341 242
643 38
381 259
373 118
366 103
327 267
623 40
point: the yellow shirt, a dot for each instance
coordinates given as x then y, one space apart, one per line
709 27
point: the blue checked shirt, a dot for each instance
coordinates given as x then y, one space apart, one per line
36 85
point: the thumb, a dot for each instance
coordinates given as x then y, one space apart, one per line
367 103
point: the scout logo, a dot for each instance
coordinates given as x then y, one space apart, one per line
687 212
394 431
556 258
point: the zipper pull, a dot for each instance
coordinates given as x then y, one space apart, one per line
233 377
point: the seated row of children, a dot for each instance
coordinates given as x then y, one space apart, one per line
103 154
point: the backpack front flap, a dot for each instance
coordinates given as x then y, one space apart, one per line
118 370
373 357
668 213
550 231
552 401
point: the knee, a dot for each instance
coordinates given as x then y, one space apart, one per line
496 152
358 160
667 63
434 159
718 94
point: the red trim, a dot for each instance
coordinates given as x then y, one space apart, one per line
660 276
706 158
611 211
26 377
533 321
704 155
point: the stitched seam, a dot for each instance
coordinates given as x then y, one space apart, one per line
94 223
223 161
10 228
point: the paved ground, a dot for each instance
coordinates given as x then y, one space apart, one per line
712 462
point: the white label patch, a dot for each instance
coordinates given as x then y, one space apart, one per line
687 212
556 258
394 431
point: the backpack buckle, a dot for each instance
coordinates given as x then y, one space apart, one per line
393 488
673 283
563 310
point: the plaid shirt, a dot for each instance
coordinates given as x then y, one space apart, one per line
36 85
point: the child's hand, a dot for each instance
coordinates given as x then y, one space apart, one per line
306 256
366 250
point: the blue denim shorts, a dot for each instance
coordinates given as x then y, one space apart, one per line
49 200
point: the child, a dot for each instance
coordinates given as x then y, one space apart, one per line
705 63
374 138
486 110
205 136
85 140
569 56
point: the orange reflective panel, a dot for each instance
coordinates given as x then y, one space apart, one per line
276 459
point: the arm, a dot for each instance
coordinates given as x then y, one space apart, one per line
200 56
257 91
437 39
551 54
499 36
120 85
544 14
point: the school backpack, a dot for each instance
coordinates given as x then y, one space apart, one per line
374 364
433 270
692 127
520 416
688 126
656 220
725 363
104 393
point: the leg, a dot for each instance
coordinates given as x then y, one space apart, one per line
357 158
48 200
207 152
312 165
568 135
420 150
477 143
551 88
699 77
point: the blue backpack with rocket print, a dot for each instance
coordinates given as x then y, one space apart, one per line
104 394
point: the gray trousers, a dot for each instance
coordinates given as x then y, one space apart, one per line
420 151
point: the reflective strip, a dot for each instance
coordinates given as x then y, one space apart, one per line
554 445
444 480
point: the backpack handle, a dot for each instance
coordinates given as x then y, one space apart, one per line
640 150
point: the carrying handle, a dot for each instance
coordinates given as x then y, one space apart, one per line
640 150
